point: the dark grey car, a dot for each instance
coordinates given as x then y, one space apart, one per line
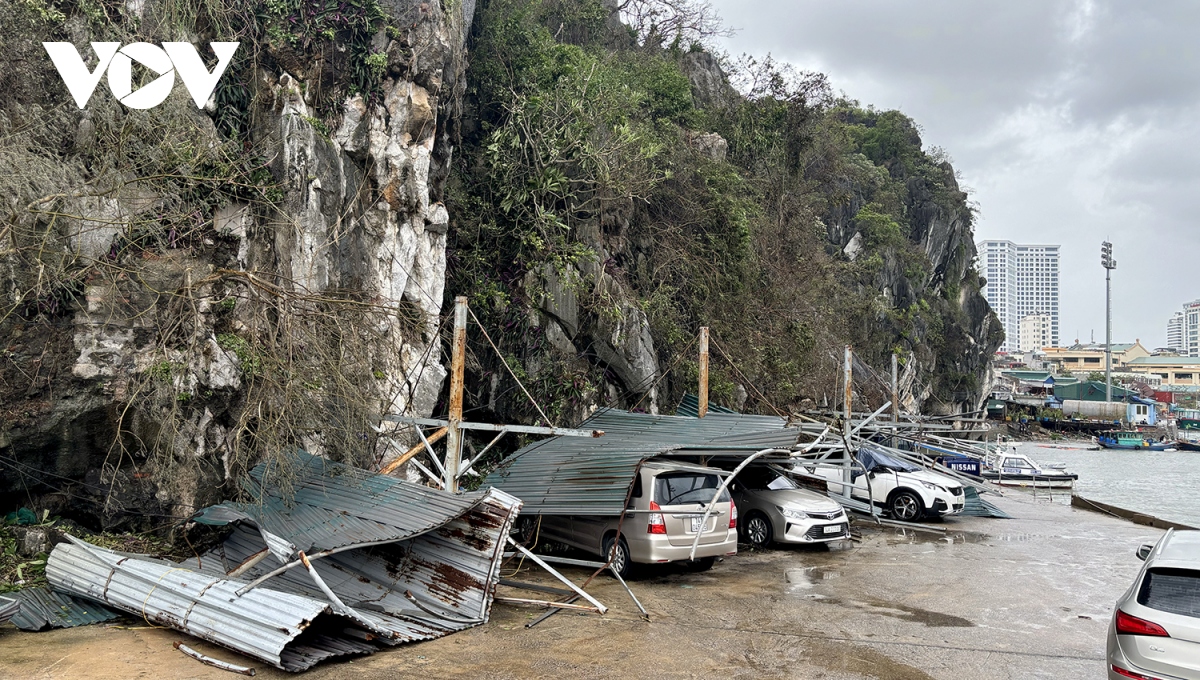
773 508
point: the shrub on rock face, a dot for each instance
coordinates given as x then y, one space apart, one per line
672 192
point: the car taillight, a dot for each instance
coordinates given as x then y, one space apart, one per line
1130 674
1132 625
732 515
657 525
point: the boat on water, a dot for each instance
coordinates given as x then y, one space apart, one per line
1130 441
1017 469
1187 419
1187 445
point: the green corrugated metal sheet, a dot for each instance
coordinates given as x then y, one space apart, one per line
975 506
690 406
42 608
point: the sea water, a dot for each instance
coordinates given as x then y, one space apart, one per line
1164 484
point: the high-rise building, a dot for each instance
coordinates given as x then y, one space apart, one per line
1022 280
1191 330
1034 332
1175 332
998 263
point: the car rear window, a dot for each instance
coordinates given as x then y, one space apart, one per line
1175 591
676 488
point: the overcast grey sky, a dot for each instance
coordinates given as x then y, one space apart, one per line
1070 121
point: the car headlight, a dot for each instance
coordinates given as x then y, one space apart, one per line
791 513
934 487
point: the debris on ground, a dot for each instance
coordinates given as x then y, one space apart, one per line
43 609
345 562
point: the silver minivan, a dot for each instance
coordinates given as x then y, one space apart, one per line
1155 630
661 522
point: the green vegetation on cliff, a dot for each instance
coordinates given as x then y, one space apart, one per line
590 169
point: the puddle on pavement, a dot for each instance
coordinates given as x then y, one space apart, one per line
903 612
901 536
805 579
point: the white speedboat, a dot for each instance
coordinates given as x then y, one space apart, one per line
1009 468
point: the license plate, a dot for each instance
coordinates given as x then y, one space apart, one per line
697 524
833 529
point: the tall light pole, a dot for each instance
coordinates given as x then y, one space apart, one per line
1110 264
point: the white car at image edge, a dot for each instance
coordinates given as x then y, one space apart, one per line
1154 633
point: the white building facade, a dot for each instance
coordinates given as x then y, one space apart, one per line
1022 281
1190 343
1175 332
998 264
1034 332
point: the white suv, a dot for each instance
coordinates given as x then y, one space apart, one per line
906 491
1155 630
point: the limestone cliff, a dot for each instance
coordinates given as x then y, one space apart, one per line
187 290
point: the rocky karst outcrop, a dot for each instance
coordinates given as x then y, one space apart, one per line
189 290
173 338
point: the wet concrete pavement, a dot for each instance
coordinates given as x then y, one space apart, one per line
1028 597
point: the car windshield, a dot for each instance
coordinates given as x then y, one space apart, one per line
1176 591
677 488
780 483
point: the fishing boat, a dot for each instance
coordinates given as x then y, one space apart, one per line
1017 469
1187 419
1187 445
1130 441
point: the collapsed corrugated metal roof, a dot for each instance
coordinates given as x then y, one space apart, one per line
42 608
330 506
574 476
681 429
352 561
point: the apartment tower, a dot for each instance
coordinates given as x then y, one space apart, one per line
1022 281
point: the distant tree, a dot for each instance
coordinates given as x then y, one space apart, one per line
680 22
1096 376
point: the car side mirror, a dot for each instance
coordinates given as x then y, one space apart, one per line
1144 552
871 474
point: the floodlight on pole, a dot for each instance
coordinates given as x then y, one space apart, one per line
1109 264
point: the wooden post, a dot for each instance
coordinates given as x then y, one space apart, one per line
847 413
702 398
895 398
453 431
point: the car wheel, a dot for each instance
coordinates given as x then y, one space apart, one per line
525 530
757 531
702 564
906 506
620 556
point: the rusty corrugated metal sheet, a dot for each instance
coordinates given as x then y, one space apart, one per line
401 563
264 623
